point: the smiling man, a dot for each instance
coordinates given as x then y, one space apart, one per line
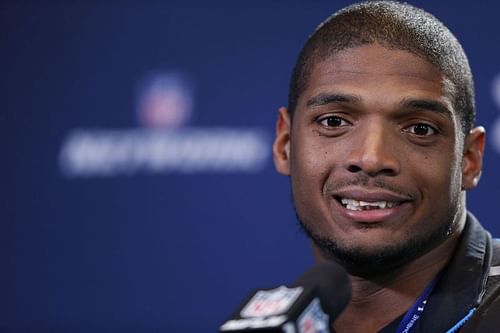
380 145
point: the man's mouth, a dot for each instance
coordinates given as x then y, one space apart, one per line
358 205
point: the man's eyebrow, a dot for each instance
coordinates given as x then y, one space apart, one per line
427 105
329 98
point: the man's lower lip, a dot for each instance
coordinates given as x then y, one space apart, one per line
371 215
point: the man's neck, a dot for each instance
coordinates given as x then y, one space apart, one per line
377 301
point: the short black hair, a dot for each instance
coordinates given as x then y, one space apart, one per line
394 25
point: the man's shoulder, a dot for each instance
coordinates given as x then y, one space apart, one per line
487 316
491 296
496 245
492 290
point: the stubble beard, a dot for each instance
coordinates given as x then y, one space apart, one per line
366 263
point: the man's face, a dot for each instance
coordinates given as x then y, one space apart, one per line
375 152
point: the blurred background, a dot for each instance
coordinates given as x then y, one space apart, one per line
137 188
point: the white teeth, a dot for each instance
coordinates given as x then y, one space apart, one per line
352 204
352 207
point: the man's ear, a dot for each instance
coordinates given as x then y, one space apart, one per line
472 162
281 146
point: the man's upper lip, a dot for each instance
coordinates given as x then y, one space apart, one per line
371 195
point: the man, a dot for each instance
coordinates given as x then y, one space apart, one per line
380 146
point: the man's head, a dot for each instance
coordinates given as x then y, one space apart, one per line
396 26
380 148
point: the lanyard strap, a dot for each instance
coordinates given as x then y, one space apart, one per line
413 315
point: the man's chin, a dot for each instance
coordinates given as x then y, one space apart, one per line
366 261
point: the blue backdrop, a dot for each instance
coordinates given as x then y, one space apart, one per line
137 188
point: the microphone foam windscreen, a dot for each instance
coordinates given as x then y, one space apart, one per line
332 285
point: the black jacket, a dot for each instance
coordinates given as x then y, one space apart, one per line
467 297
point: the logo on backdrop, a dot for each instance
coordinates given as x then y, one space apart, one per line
495 135
164 143
165 100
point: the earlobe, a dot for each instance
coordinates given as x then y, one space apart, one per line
472 163
281 146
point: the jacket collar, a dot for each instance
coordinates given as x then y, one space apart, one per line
462 284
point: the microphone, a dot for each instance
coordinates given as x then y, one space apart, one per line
311 305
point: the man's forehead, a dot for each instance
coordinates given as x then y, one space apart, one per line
377 58
374 66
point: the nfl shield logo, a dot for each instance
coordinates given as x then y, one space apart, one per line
313 319
271 302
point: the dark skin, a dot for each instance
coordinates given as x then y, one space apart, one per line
377 128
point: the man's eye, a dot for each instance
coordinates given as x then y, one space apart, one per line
421 130
333 121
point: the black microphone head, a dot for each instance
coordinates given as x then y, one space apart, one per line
331 284
312 303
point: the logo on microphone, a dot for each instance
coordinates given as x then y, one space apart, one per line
313 320
271 302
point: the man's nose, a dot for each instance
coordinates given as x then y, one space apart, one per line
374 151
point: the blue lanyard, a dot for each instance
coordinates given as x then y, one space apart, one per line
413 315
